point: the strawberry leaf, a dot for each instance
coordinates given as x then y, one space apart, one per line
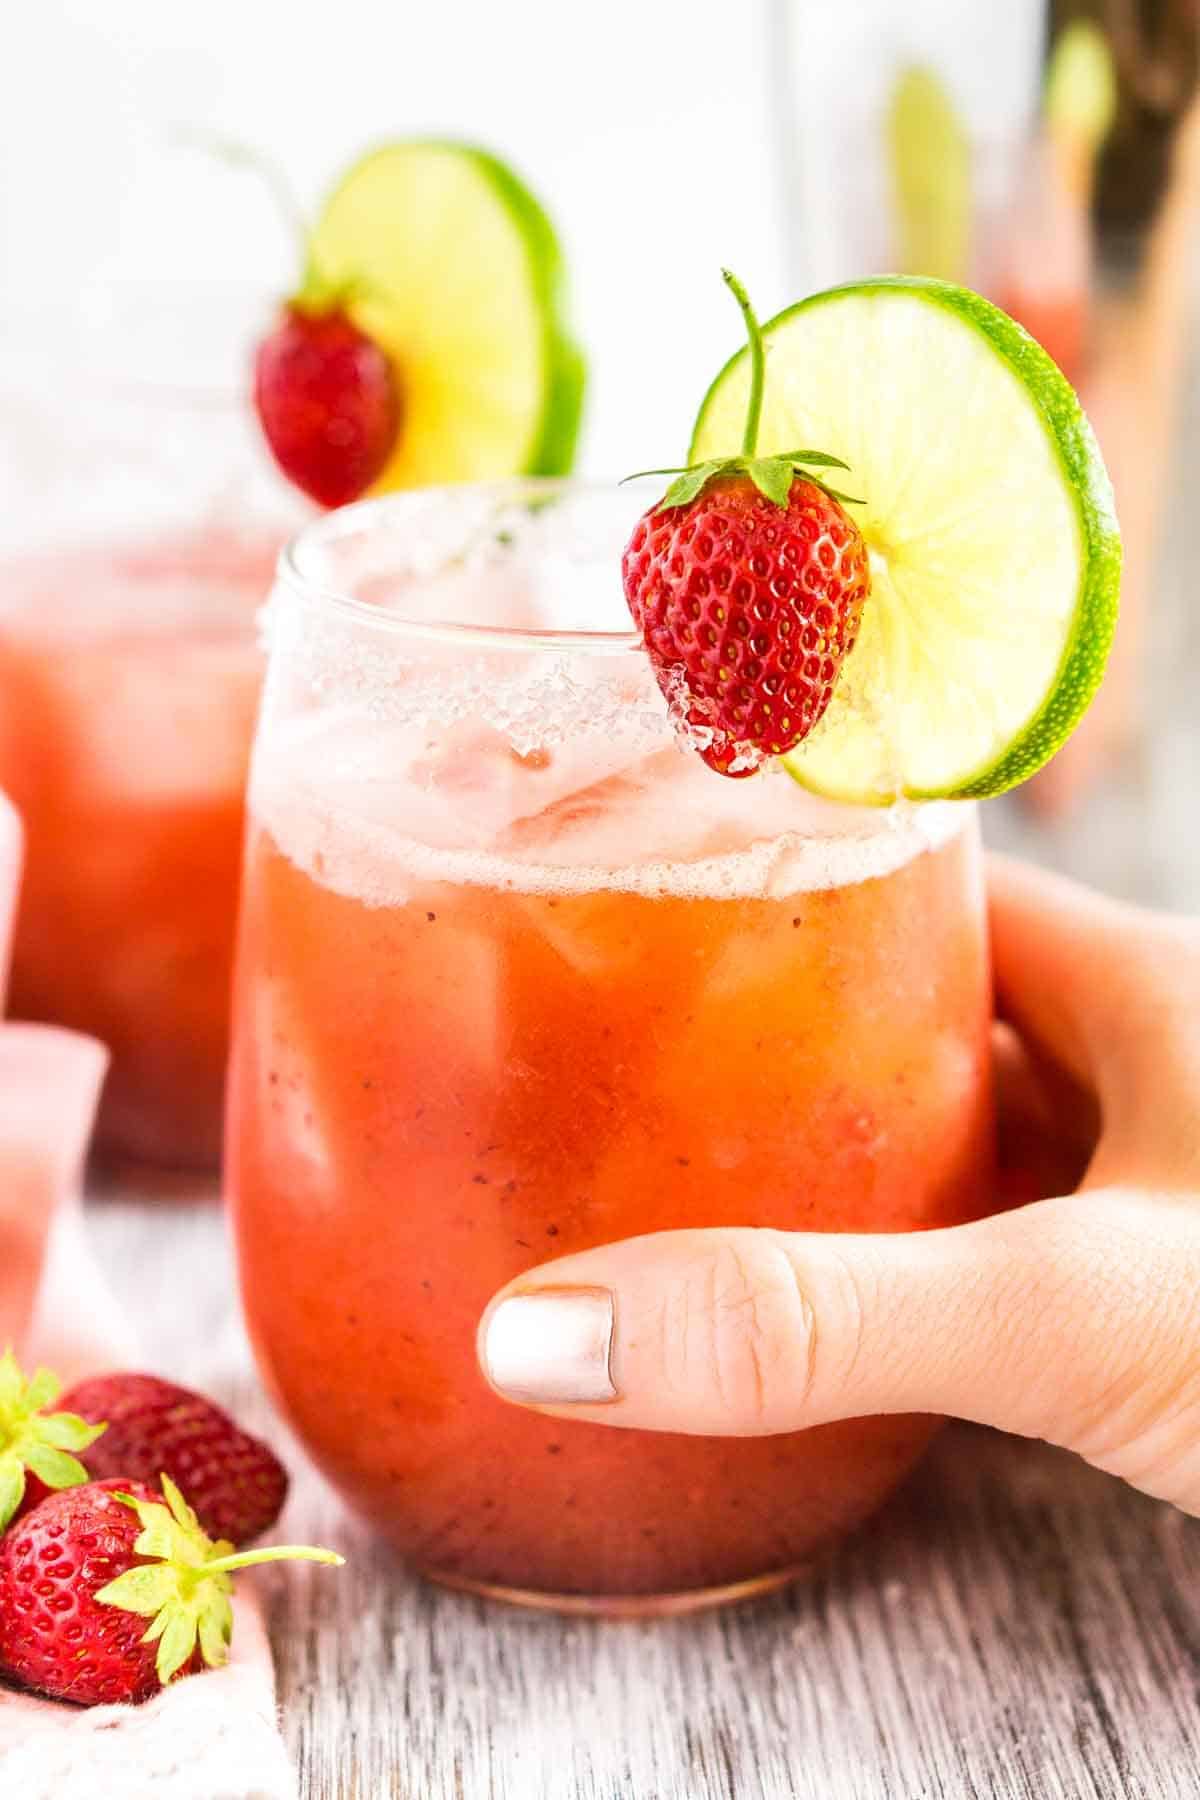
67 1431
216 1631
144 1589
34 1439
771 475
158 1537
12 1487
177 1642
188 1582
641 474
42 1388
773 478
813 459
54 1467
684 489
836 494
173 1531
183 1513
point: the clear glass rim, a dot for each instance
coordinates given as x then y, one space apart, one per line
295 575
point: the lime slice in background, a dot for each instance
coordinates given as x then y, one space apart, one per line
995 554
454 268
930 156
1081 84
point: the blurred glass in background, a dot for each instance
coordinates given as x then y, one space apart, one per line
1048 154
137 541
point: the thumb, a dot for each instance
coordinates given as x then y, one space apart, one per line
1045 1321
1107 994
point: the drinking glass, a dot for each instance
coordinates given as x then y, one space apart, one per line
517 974
140 529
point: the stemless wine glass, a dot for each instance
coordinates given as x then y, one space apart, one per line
518 974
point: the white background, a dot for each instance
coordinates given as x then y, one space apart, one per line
652 129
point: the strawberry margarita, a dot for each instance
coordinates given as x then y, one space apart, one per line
129 677
518 975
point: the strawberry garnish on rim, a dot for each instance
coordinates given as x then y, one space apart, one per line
747 582
326 394
327 399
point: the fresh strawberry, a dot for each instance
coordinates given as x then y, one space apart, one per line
56 1634
236 1484
327 400
81 1574
36 1444
747 582
748 610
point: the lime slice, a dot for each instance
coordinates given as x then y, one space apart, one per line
930 156
995 555
1081 84
454 268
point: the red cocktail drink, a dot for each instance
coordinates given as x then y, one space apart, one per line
518 975
129 677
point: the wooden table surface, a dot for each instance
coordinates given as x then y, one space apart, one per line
1014 1625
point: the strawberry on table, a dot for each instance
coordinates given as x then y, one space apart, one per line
236 1484
55 1634
747 582
82 1574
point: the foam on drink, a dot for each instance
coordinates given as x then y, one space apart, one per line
373 813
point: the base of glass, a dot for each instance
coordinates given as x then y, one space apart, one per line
622 1606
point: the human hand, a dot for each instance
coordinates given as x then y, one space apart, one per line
1073 1318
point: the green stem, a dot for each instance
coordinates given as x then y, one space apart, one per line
244 156
248 1559
757 362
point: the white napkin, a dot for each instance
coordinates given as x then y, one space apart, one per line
207 1737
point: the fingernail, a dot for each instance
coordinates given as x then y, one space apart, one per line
552 1346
